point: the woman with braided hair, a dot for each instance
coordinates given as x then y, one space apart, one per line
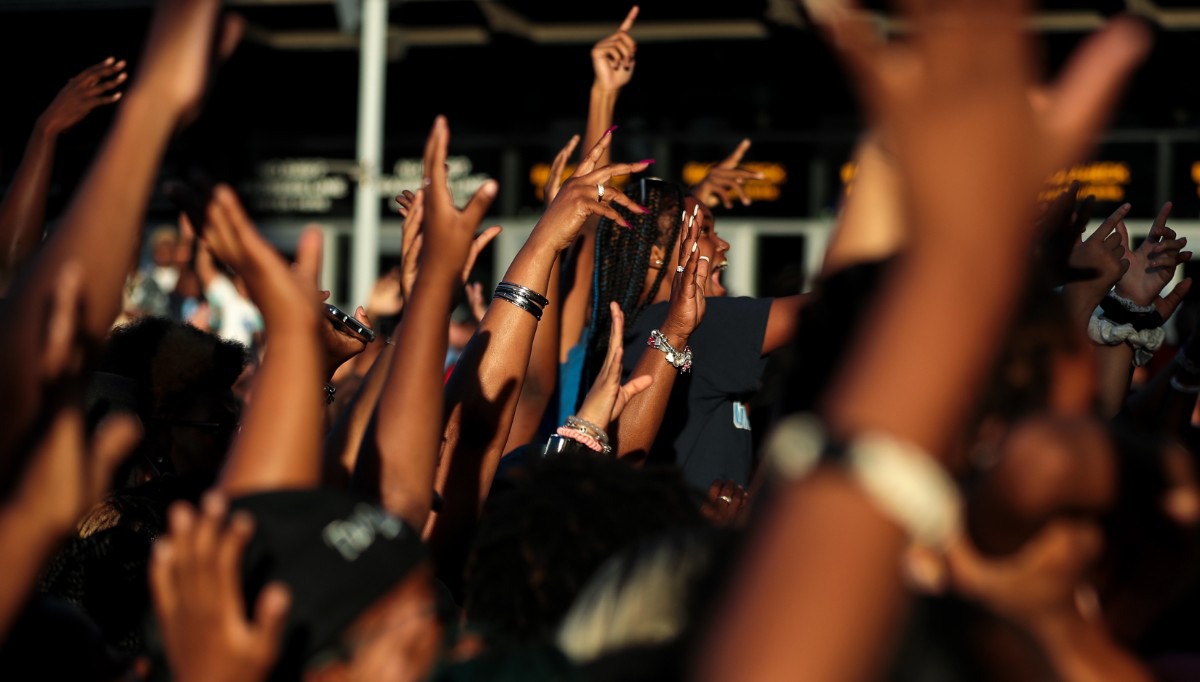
695 416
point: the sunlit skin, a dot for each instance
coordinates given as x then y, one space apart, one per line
397 639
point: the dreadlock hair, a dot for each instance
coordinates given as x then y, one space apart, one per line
623 259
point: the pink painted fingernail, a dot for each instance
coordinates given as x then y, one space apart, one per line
646 161
644 209
625 224
609 131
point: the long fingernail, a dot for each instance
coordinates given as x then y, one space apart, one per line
646 161
643 208
624 223
609 131
683 218
696 211
695 245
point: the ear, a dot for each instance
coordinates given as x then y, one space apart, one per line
657 259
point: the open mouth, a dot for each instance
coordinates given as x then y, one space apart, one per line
720 267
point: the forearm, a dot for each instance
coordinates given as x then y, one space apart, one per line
928 291
279 443
601 105
871 224
408 422
805 604
482 392
1081 651
542 376
576 297
27 540
1114 370
100 232
642 417
344 440
22 214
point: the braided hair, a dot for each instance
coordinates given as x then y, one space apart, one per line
623 259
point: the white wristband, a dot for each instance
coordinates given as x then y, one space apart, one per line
907 484
1104 332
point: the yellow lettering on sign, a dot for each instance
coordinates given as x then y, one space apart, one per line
539 173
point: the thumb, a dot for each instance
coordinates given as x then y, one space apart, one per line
360 314
308 255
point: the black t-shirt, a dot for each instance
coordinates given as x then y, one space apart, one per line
706 428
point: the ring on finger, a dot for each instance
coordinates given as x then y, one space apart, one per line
726 499
600 191
679 268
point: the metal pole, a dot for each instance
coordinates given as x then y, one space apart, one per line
372 76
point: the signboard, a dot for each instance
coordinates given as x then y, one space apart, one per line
325 186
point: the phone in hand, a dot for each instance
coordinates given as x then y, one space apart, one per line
350 324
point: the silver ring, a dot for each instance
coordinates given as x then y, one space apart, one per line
726 499
600 191
679 268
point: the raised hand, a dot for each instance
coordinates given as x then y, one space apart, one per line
585 194
1101 259
386 298
613 58
448 231
724 180
195 578
1152 265
686 307
607 397
83 93
231 236
180 50
558 169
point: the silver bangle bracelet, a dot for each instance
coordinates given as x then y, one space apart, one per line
522 303
524 292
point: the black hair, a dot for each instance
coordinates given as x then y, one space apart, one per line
165 367
623 259
540 542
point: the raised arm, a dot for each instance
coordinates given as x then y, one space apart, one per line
278 445
400 452
643 415
64 472
482 393
723 182
542 377
613 61
818 594
1151 267
101 228
344 441
23 212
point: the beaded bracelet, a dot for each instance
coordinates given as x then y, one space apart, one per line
580 437
681 360
588 429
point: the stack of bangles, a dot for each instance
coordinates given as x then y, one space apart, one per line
587 433
523 297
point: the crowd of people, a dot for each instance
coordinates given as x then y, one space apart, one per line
980 463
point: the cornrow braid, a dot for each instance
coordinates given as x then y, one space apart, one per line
622 261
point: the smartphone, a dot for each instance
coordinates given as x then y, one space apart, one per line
348 322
